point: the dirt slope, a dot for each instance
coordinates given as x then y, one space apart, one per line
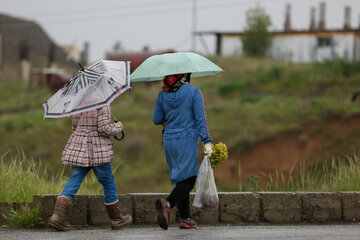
288 149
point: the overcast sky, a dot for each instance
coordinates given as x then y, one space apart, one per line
160 24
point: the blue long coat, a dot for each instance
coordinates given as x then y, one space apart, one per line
185 117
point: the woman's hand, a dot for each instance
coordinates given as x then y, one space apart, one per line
208 150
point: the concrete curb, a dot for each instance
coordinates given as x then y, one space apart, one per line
234 208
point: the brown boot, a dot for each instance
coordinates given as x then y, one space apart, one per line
117 220
61 212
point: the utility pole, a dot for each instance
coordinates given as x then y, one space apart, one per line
193 42
0 54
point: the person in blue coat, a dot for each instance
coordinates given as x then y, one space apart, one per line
180 107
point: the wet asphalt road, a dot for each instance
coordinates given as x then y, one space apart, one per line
293 232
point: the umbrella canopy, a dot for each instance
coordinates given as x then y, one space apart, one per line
156 67
90 88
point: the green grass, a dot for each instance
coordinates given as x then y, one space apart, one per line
26 217
15 97
254 99
23 178
19 181
339 174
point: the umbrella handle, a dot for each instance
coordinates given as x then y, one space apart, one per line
122 132
120 138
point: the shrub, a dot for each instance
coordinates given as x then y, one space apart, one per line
250 99
256 39
231 87
25 217
276 72
9 126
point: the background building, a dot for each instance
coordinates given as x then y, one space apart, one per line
314 44
24 45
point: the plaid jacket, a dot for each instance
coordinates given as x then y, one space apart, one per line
90 143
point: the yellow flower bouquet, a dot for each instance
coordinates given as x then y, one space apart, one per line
220 153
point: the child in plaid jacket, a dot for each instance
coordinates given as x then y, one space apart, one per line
90 147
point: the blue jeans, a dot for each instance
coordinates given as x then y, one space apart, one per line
103 174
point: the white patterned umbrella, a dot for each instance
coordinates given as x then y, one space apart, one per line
90 88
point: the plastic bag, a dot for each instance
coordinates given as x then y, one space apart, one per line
206 195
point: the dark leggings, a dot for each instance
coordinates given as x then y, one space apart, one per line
180 196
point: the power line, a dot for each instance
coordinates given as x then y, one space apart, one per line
353 1
132 14
106 9
113 8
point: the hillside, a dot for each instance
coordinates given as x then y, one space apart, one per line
254 101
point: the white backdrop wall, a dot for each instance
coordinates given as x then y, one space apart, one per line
302 48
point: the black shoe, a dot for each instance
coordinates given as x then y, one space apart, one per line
163 213
187 223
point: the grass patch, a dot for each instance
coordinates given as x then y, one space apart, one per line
15 97
25 217
23 178
339 174
254 99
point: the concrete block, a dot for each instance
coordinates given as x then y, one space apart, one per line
97 215
126 206
5 207
78 211
47 204
281 207
204 215
18 205
96 212
351 206
239 207
321 207
144 208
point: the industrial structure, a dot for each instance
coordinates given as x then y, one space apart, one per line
301 46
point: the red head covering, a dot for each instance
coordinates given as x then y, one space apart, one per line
172 82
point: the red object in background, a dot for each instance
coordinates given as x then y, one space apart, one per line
56 82
54 78
135 58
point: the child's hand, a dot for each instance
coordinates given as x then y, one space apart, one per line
120 124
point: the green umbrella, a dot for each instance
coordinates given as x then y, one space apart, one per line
156 67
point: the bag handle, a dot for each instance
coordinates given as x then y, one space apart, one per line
207 161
